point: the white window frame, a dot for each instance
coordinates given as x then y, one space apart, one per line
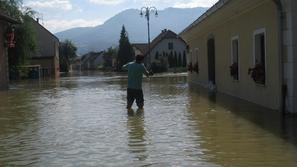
170 43
236 37
257 32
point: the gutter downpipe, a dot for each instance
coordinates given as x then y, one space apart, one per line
284 88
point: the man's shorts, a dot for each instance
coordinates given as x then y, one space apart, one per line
133 94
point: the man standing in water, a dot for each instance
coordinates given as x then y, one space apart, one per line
136 70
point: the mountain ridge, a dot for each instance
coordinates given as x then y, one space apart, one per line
101 37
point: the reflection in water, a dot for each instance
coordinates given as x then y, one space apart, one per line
136 131
82 121
237 133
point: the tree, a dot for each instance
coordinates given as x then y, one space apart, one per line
108 56
157 56
25 36
67 53
184 59
171 60
175 59
125 53
12 8
179 60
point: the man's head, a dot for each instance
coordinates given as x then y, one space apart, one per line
139 58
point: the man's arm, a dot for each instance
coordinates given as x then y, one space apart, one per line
125 67
146 73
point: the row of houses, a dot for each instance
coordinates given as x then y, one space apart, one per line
168 52
247 49
43 63
89 61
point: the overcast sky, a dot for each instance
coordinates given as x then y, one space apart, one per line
59 15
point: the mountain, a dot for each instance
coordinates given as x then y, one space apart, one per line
103 36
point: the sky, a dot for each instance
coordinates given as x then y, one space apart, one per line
59 15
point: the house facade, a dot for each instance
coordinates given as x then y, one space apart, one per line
92 61
168 51
76 64
4 22
139 48
47 54
247 49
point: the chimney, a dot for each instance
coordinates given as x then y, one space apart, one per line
37 19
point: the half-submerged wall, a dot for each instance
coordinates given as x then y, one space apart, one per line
240 31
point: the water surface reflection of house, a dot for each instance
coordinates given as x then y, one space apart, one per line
247 49
4 22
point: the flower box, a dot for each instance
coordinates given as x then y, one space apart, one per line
257 73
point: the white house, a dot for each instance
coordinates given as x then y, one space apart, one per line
168 50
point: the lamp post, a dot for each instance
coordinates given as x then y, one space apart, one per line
146 11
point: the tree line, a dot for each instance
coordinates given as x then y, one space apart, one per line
113 57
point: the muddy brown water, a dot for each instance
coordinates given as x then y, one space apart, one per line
82 121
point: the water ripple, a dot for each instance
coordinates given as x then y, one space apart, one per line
82 121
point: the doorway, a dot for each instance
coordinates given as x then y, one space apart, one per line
211 60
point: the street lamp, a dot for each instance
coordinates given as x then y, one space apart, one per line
146 11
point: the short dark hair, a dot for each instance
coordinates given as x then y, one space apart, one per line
139 58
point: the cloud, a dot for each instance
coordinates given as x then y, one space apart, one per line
106 2
61 25
195 3
52 4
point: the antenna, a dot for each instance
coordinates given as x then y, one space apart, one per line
39 18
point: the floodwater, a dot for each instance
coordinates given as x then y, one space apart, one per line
82 121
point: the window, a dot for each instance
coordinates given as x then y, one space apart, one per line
179 61
258 71
259 49
170 46
175 59
157 55
234 68
184 59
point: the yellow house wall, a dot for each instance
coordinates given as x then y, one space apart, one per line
242 24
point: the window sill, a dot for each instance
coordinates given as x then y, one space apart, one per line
235 81
261 85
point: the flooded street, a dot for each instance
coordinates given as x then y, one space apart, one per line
82 121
